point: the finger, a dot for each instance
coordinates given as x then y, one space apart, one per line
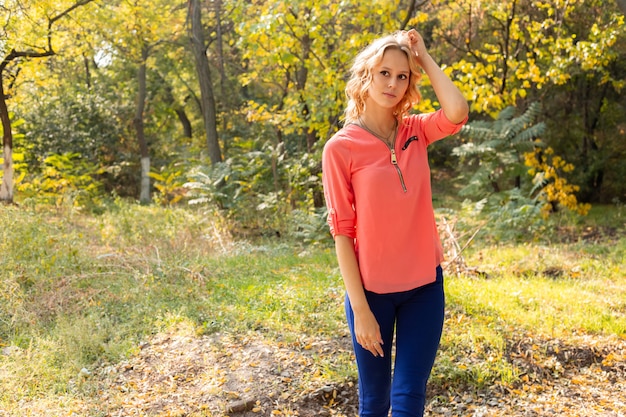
374 348
378 348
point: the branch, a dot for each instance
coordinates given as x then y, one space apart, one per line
295 36
468 42
61 15
49 51
412 8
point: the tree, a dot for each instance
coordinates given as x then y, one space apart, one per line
257 86
29 35
507 49
569 55
296 58
137 28
199 49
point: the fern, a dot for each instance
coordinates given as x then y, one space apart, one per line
497 146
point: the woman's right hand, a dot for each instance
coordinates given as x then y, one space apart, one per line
366 328
367 332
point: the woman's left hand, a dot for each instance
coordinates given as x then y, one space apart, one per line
452 102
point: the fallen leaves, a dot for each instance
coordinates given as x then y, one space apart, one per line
218 375
583 377
176 375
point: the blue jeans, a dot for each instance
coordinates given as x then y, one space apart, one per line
417 318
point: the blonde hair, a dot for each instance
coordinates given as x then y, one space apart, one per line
361 77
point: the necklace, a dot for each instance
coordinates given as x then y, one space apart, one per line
389 139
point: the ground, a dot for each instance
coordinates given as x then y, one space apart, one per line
178 374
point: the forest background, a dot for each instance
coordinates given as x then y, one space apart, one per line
164 241
230 102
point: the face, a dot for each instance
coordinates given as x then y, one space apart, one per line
390 80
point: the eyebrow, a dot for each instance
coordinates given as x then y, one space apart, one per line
401 72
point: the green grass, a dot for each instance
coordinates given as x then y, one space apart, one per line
78 290
549 290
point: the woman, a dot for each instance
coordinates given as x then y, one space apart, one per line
377 188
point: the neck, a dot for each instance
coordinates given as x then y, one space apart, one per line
383 126
381 123
387 134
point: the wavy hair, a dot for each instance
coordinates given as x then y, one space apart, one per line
361 77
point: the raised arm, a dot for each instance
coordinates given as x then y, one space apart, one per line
452 102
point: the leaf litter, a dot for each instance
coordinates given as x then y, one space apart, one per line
244 376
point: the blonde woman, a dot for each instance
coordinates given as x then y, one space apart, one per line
377 188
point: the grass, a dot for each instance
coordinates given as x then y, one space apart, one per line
80 290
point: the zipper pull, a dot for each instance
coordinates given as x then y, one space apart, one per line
393 157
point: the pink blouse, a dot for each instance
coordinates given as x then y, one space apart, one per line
382 199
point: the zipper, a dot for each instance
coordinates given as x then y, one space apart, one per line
394 161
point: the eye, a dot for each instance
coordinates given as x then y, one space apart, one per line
384 73
403 77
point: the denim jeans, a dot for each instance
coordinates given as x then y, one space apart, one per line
417 318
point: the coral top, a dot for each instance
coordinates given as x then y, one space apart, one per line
386 207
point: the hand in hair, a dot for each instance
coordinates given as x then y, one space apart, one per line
415 41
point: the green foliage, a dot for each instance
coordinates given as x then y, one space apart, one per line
300 51
508 50
495 149
516 180
260 188
310 227
65 179
244 187
85 124
89 123
278 74
514 198
567 55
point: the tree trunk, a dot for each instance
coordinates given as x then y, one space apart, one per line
204 78
144 194
593 99
226 99
184 121
220 48
87 72
6 190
